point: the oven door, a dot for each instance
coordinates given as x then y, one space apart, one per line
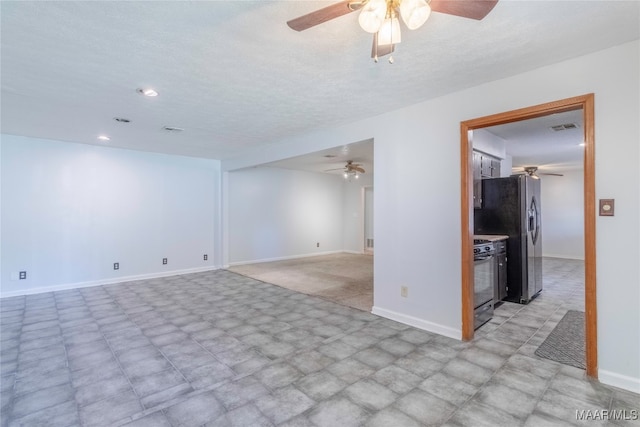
483 278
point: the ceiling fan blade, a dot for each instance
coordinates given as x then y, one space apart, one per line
473 9
334 169
552 174
382 50
323 15
359 169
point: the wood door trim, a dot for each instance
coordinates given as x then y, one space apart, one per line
586 104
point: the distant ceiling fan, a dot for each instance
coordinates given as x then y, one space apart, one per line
380 17
533 171
350 169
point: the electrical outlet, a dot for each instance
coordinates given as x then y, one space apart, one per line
164 261
116 266
206 257
318 245
404 291
23 275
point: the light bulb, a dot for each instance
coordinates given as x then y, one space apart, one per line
357 176
372 15
346 175
389 32
414 13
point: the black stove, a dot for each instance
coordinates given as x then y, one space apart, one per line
482 247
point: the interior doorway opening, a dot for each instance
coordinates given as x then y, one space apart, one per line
367 219
584 103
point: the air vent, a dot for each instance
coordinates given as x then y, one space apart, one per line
121 120
172 129
330 156
565 126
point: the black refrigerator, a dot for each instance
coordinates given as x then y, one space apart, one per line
511 206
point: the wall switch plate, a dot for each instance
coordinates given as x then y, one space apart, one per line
23 275
404 291
116 266
607 207
318 245
206 257
164 261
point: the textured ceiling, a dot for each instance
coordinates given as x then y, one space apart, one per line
234 76
533 142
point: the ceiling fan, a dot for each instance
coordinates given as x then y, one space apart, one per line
349 169
380 17
533 171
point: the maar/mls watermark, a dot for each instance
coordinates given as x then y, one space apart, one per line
606 414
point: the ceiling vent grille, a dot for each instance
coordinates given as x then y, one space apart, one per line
172 129
565 126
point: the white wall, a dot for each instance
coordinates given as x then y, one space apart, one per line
280 213
489 143
353 226
418 202
69 211
562 202
506 166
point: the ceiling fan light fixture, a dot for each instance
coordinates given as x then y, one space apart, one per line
390 32
414 13
147 92
372 15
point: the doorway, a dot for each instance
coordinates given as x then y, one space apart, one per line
368 219
586 104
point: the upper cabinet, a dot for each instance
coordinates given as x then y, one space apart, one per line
489 166
484 166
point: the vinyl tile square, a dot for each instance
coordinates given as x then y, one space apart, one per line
195 410
156 382
96 391
448 388
350 370
375 357
320 385
283 404
278 375
338 411
370 394
43 398
246 416
397 379
239 392
508 399
424 407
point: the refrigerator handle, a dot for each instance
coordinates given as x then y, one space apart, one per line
533 220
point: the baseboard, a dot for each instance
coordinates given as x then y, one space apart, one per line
353 252
563 257
618 380
418 323
284 258
101 282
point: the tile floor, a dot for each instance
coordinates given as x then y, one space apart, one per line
220 349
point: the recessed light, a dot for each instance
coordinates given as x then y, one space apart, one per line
121 120
147 92
103 138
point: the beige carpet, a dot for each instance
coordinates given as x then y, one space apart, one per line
346 279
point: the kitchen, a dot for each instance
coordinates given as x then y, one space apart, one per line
510 197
